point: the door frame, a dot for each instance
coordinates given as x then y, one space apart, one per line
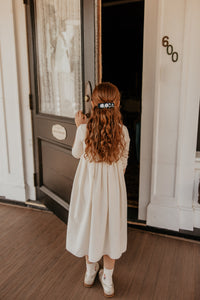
149 86
147 101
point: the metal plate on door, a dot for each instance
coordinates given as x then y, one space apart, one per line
59 132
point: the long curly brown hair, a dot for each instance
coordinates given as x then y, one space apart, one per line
104 137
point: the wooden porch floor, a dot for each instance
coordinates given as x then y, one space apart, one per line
35 265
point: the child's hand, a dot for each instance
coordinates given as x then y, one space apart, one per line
80 118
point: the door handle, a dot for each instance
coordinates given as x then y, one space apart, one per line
88 95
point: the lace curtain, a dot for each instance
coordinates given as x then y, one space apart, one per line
58 33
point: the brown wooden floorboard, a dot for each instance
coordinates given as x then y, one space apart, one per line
35 265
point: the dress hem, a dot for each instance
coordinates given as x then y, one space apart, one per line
94 260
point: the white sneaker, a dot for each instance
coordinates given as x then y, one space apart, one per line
90 277
107 288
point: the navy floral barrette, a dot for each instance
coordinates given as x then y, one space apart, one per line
106 105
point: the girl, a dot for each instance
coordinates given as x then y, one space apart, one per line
97 223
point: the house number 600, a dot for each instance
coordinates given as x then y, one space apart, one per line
169 48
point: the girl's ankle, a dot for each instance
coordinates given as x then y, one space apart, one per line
91 267
107 276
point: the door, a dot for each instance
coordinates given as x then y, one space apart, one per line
61 42
123 66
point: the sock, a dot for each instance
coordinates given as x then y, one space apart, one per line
107 275
91 268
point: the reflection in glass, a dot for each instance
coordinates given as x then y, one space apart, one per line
59 56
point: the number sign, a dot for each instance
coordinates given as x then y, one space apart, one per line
169 48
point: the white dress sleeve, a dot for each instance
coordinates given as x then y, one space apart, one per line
77 149
124 157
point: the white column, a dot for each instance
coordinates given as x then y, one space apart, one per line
171 166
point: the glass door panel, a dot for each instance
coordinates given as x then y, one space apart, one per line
58 42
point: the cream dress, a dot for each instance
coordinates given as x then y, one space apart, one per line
97 222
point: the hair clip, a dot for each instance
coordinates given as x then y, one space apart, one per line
105 105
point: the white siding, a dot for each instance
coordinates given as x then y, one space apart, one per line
16 159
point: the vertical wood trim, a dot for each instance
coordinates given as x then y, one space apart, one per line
89 40
183 92
98 41
148 96
157 99
18 96
3 125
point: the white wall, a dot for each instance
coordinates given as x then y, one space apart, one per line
175 103
189 210
16 155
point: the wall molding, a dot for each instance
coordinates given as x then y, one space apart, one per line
13 191
161 216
